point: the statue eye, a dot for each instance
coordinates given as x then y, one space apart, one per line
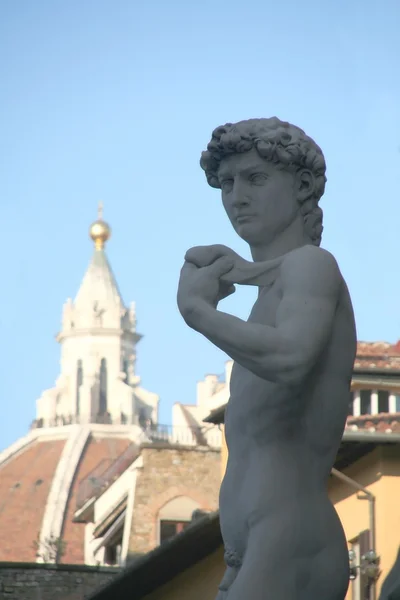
227 185
258 178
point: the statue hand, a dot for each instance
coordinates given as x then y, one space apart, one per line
199 285
202 256
244 272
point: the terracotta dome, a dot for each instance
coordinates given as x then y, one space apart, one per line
42 479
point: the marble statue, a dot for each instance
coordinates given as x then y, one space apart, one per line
293 362
390 589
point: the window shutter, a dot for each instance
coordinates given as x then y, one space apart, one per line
364 541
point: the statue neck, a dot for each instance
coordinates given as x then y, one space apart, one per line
291 238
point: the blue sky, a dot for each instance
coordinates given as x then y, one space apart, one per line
115 100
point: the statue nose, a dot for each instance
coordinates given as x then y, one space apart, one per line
239 196
240 200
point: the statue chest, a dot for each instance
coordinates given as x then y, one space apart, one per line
266 306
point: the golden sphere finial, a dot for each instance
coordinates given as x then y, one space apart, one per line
100 231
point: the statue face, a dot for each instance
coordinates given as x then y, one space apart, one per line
260 200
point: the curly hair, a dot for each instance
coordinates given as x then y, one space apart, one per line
283 144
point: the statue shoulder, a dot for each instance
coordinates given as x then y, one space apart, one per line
313 268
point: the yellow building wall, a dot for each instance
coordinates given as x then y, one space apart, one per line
200 582
379 472
390 511
224 453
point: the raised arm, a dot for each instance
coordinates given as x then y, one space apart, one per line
286 353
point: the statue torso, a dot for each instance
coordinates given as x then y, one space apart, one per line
282 440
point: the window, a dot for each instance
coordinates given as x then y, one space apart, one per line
103 387
351 402
365 402
112 554
383 401
168 529
175 515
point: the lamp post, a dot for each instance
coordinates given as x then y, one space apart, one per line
369 562
369 567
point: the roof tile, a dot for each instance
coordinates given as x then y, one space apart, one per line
25 483
383 422
377 355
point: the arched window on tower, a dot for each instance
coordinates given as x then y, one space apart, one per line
142 418
125 368
79 381
103 387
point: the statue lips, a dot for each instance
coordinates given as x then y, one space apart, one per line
244 218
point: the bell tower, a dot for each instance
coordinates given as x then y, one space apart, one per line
98 338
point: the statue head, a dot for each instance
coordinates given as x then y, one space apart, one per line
270 168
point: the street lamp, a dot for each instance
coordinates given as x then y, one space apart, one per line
369 563
369 567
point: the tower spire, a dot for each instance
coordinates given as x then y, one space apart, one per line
100 231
